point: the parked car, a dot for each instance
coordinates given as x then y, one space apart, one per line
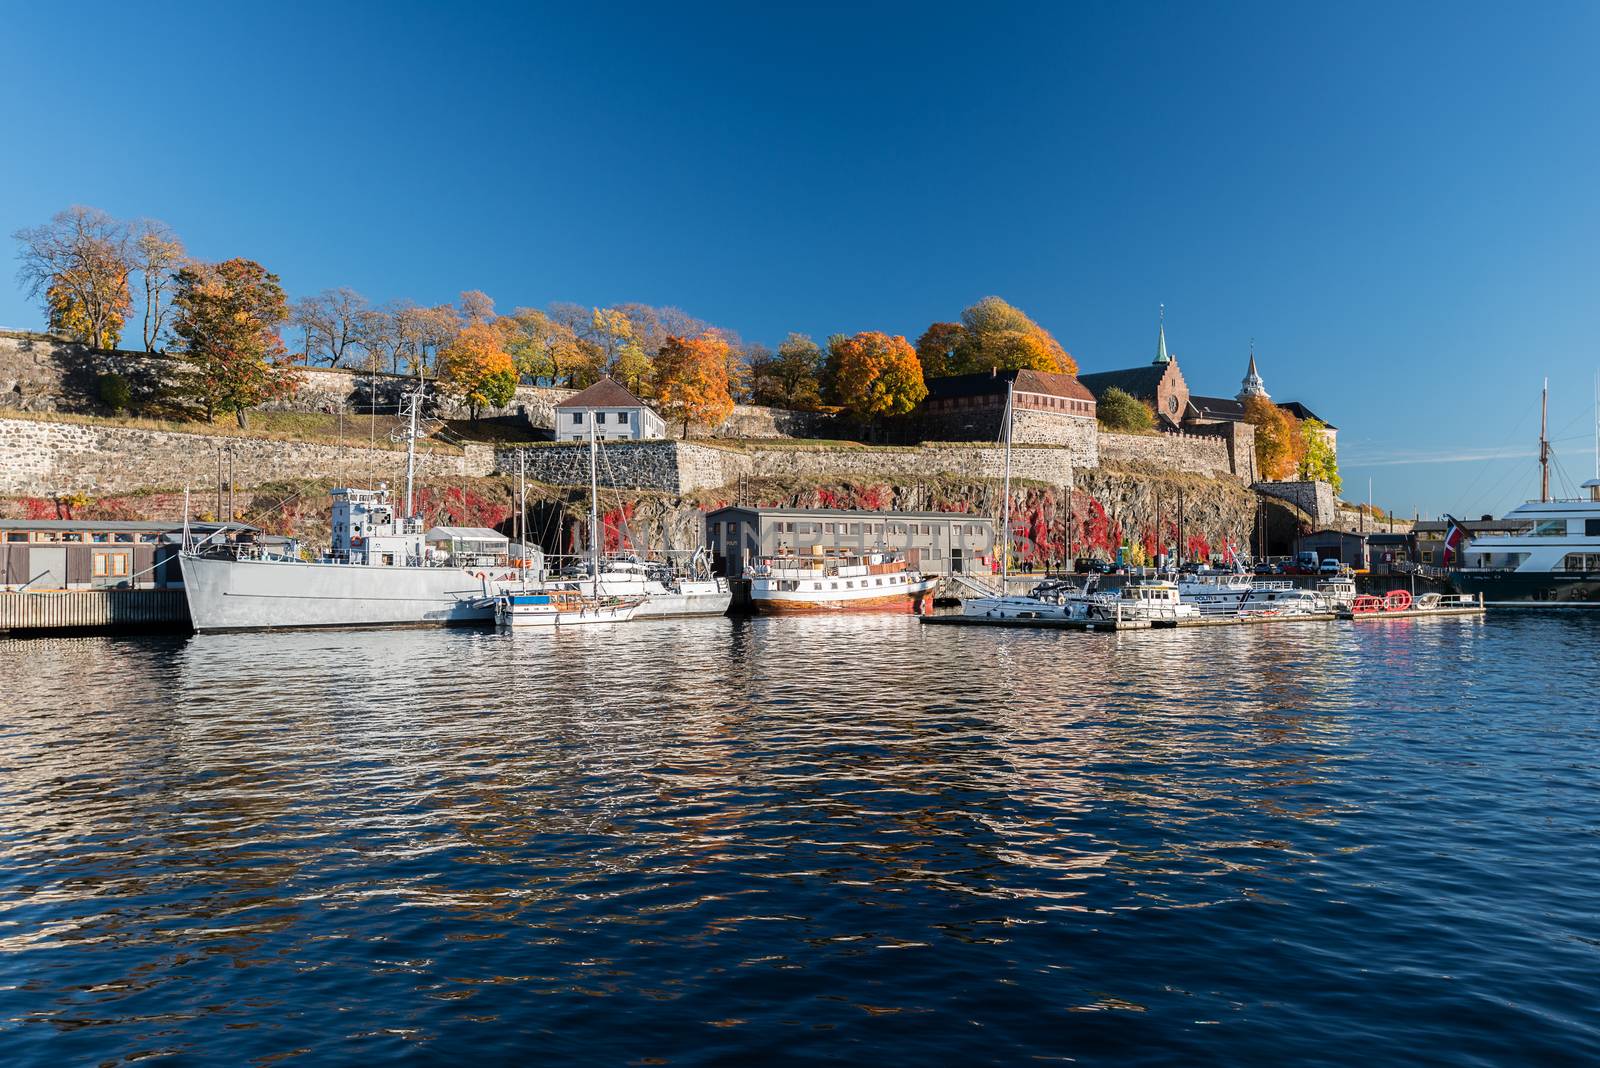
1330 567
1090 566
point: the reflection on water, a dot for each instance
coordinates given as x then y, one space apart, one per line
800 838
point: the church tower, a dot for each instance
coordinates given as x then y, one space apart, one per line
1161 341
1253 386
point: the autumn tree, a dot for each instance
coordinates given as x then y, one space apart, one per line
992 335
476 371
332 322
691 380
226 318
936 348
789 378
157 254
539 345
477 308
1318 459
432 329
873 375
79 263
1275 433
652 326
1118 409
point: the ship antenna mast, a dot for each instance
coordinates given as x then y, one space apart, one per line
413 403
1005 495
1544 444
594 507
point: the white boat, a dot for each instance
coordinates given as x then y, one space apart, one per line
1214 594
1556 560
839 582
1048 600
1337 593
534 604
663 592
380 570
1149 601
1282 599
561 608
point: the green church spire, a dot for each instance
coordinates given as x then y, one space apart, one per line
1161 339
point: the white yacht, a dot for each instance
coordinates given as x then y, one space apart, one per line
1152 601
1273 598
1556 560
663 591
1048 600
518 608
1215 593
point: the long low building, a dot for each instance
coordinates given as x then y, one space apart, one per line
88 554
944 543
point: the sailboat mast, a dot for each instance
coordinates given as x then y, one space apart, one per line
1544 444
411 450
1005 496
522 510
594 506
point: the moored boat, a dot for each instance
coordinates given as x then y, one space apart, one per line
1145 601
825 581
561 608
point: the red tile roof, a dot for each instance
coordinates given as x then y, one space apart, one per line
993 383
1052 384
606 393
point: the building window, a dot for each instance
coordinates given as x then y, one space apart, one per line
577 418
855 528
599 418
16 535
827 528
110 565
622 417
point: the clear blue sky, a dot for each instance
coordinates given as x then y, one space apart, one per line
1398 202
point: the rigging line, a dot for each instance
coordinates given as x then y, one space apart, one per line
1516 430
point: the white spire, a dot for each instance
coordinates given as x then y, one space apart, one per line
1252 385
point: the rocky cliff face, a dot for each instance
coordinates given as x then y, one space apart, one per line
1052 522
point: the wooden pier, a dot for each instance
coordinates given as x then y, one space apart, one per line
65 611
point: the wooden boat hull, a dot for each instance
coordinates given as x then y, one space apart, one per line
912 598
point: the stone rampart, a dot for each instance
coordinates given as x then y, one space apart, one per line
689 467
43 458
1201 454
1315 499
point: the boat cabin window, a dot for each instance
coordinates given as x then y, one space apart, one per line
16 535
1550 528
1591 528
1581 562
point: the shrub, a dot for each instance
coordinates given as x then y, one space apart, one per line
1120 410
115 392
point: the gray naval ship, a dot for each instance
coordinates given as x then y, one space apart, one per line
381 570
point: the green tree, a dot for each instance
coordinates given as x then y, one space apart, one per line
936 348
226 319
1120 410
1319 460
789 378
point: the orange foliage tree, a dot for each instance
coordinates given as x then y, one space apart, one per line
873 374
1279 445
691 380
476 371
992 335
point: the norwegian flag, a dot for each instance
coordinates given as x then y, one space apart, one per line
1454 535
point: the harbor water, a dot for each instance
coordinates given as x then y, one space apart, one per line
767 841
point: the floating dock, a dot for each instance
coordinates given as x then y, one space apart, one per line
1041 623
89 611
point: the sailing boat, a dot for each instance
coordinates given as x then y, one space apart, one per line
525 606
1048 600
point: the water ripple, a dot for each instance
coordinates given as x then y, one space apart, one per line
833 840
